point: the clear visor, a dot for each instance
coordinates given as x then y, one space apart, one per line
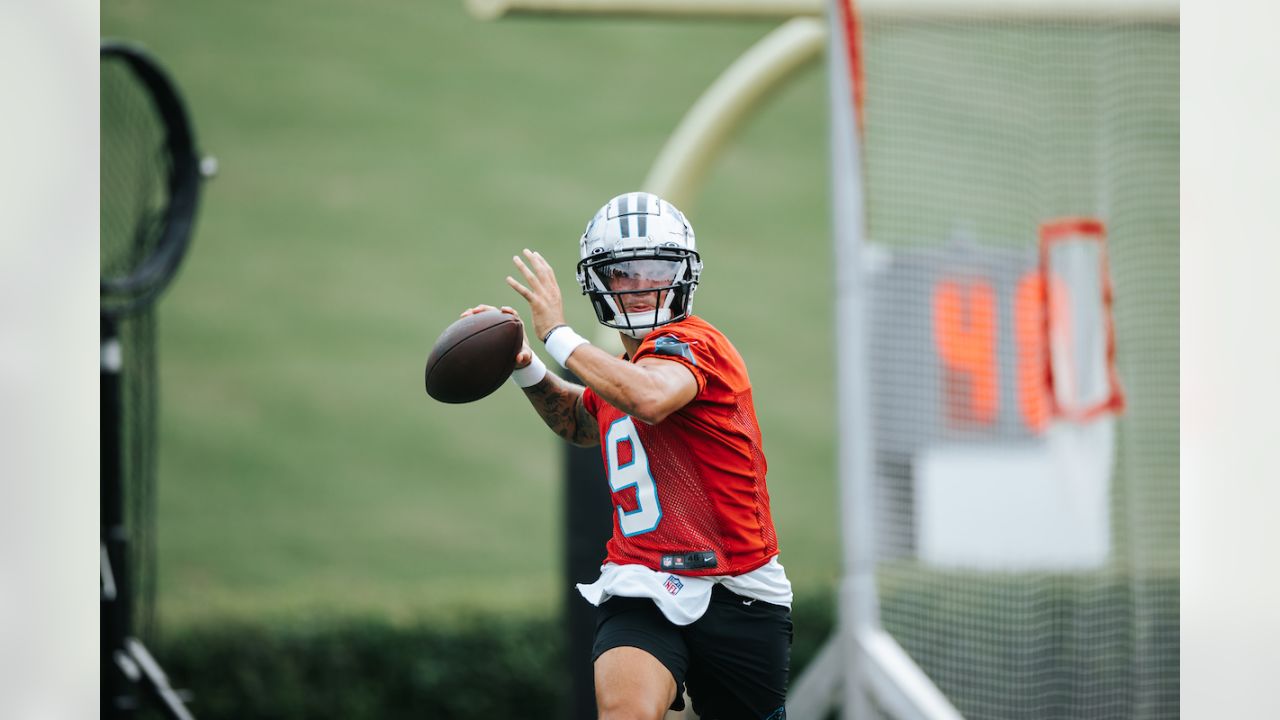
643 274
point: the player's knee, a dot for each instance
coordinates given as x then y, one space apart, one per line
632 684
632 701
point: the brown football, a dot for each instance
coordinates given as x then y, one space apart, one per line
473 356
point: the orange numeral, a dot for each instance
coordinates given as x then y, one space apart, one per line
964 330
1028 323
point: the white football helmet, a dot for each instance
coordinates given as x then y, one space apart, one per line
636 246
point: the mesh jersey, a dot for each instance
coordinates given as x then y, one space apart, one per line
694 482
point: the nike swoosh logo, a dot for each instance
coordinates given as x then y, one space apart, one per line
747 602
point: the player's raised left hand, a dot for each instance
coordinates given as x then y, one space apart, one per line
542 292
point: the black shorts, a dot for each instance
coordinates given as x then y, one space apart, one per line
735 659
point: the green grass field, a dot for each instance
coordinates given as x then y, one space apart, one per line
379 164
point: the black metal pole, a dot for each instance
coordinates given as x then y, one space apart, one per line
118 700
588 525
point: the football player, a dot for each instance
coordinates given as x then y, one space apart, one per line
691 593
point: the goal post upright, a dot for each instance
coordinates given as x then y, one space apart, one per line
680 169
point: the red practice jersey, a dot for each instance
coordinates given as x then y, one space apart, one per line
694 483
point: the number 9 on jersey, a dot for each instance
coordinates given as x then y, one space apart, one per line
628 466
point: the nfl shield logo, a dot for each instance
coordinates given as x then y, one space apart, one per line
673 584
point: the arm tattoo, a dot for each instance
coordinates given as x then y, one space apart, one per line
559 403
589 431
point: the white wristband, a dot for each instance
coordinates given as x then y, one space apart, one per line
530 374
562 342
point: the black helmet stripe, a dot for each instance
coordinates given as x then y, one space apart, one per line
642 222
622 215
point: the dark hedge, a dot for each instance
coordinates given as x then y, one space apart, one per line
505 668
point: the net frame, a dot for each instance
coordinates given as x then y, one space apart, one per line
140 284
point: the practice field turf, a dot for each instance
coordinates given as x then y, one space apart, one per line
380 162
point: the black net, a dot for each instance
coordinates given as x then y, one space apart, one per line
138 396
135 175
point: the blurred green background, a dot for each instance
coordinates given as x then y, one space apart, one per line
380 162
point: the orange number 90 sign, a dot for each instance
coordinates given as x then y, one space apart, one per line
966 332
